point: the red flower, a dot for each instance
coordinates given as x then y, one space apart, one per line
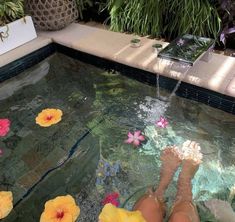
4 127
111 198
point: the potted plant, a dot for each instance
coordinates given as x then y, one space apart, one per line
52 15
15 29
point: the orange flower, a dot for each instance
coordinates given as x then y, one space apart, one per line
60 209
49 117
111 213
6 203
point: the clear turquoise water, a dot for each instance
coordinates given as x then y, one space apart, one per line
99 109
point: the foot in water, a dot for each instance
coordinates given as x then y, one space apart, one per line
184 209
152 205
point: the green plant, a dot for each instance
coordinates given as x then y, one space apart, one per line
138 16
195 17
10 10
168 18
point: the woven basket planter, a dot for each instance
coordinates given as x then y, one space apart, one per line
52 14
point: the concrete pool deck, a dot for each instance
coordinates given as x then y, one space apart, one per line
217 75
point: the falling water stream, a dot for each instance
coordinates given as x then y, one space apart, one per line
183 68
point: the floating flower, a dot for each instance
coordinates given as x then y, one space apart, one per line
111 213
135 138
6 203
4 127
49 117
111 198
60 209
162 122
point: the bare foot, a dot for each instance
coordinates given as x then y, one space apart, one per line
190 163
171 160
151 205
184 210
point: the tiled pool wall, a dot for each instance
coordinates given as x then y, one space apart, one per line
208 97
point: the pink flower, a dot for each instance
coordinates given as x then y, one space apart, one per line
111 198
4 127
1 152
162 122
135 139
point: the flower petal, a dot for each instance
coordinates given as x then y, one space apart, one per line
130 135
6 203
129 141
109 213
141 138
4 127
136 142
137 133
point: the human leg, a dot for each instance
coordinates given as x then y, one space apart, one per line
184 209
152 205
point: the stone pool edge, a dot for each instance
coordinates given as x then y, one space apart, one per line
112 49
186 90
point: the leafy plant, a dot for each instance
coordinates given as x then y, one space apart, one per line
10 10
195 17
168 18
226 9
138 16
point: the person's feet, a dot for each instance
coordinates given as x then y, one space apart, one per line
151 205
184 210
171 160
190 162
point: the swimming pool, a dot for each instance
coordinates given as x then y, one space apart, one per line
100 108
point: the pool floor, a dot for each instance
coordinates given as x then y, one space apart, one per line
85 155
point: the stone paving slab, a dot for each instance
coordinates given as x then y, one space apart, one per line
23 50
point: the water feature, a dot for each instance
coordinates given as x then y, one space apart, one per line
100 108
170 66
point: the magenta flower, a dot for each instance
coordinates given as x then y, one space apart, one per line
4 127
111 198
136 139
162 122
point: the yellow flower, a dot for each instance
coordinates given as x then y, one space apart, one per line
60 209
110 213
49 117
130 216
6 203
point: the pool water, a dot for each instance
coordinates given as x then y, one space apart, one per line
85 155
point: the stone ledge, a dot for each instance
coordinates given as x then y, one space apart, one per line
217 75
23 50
